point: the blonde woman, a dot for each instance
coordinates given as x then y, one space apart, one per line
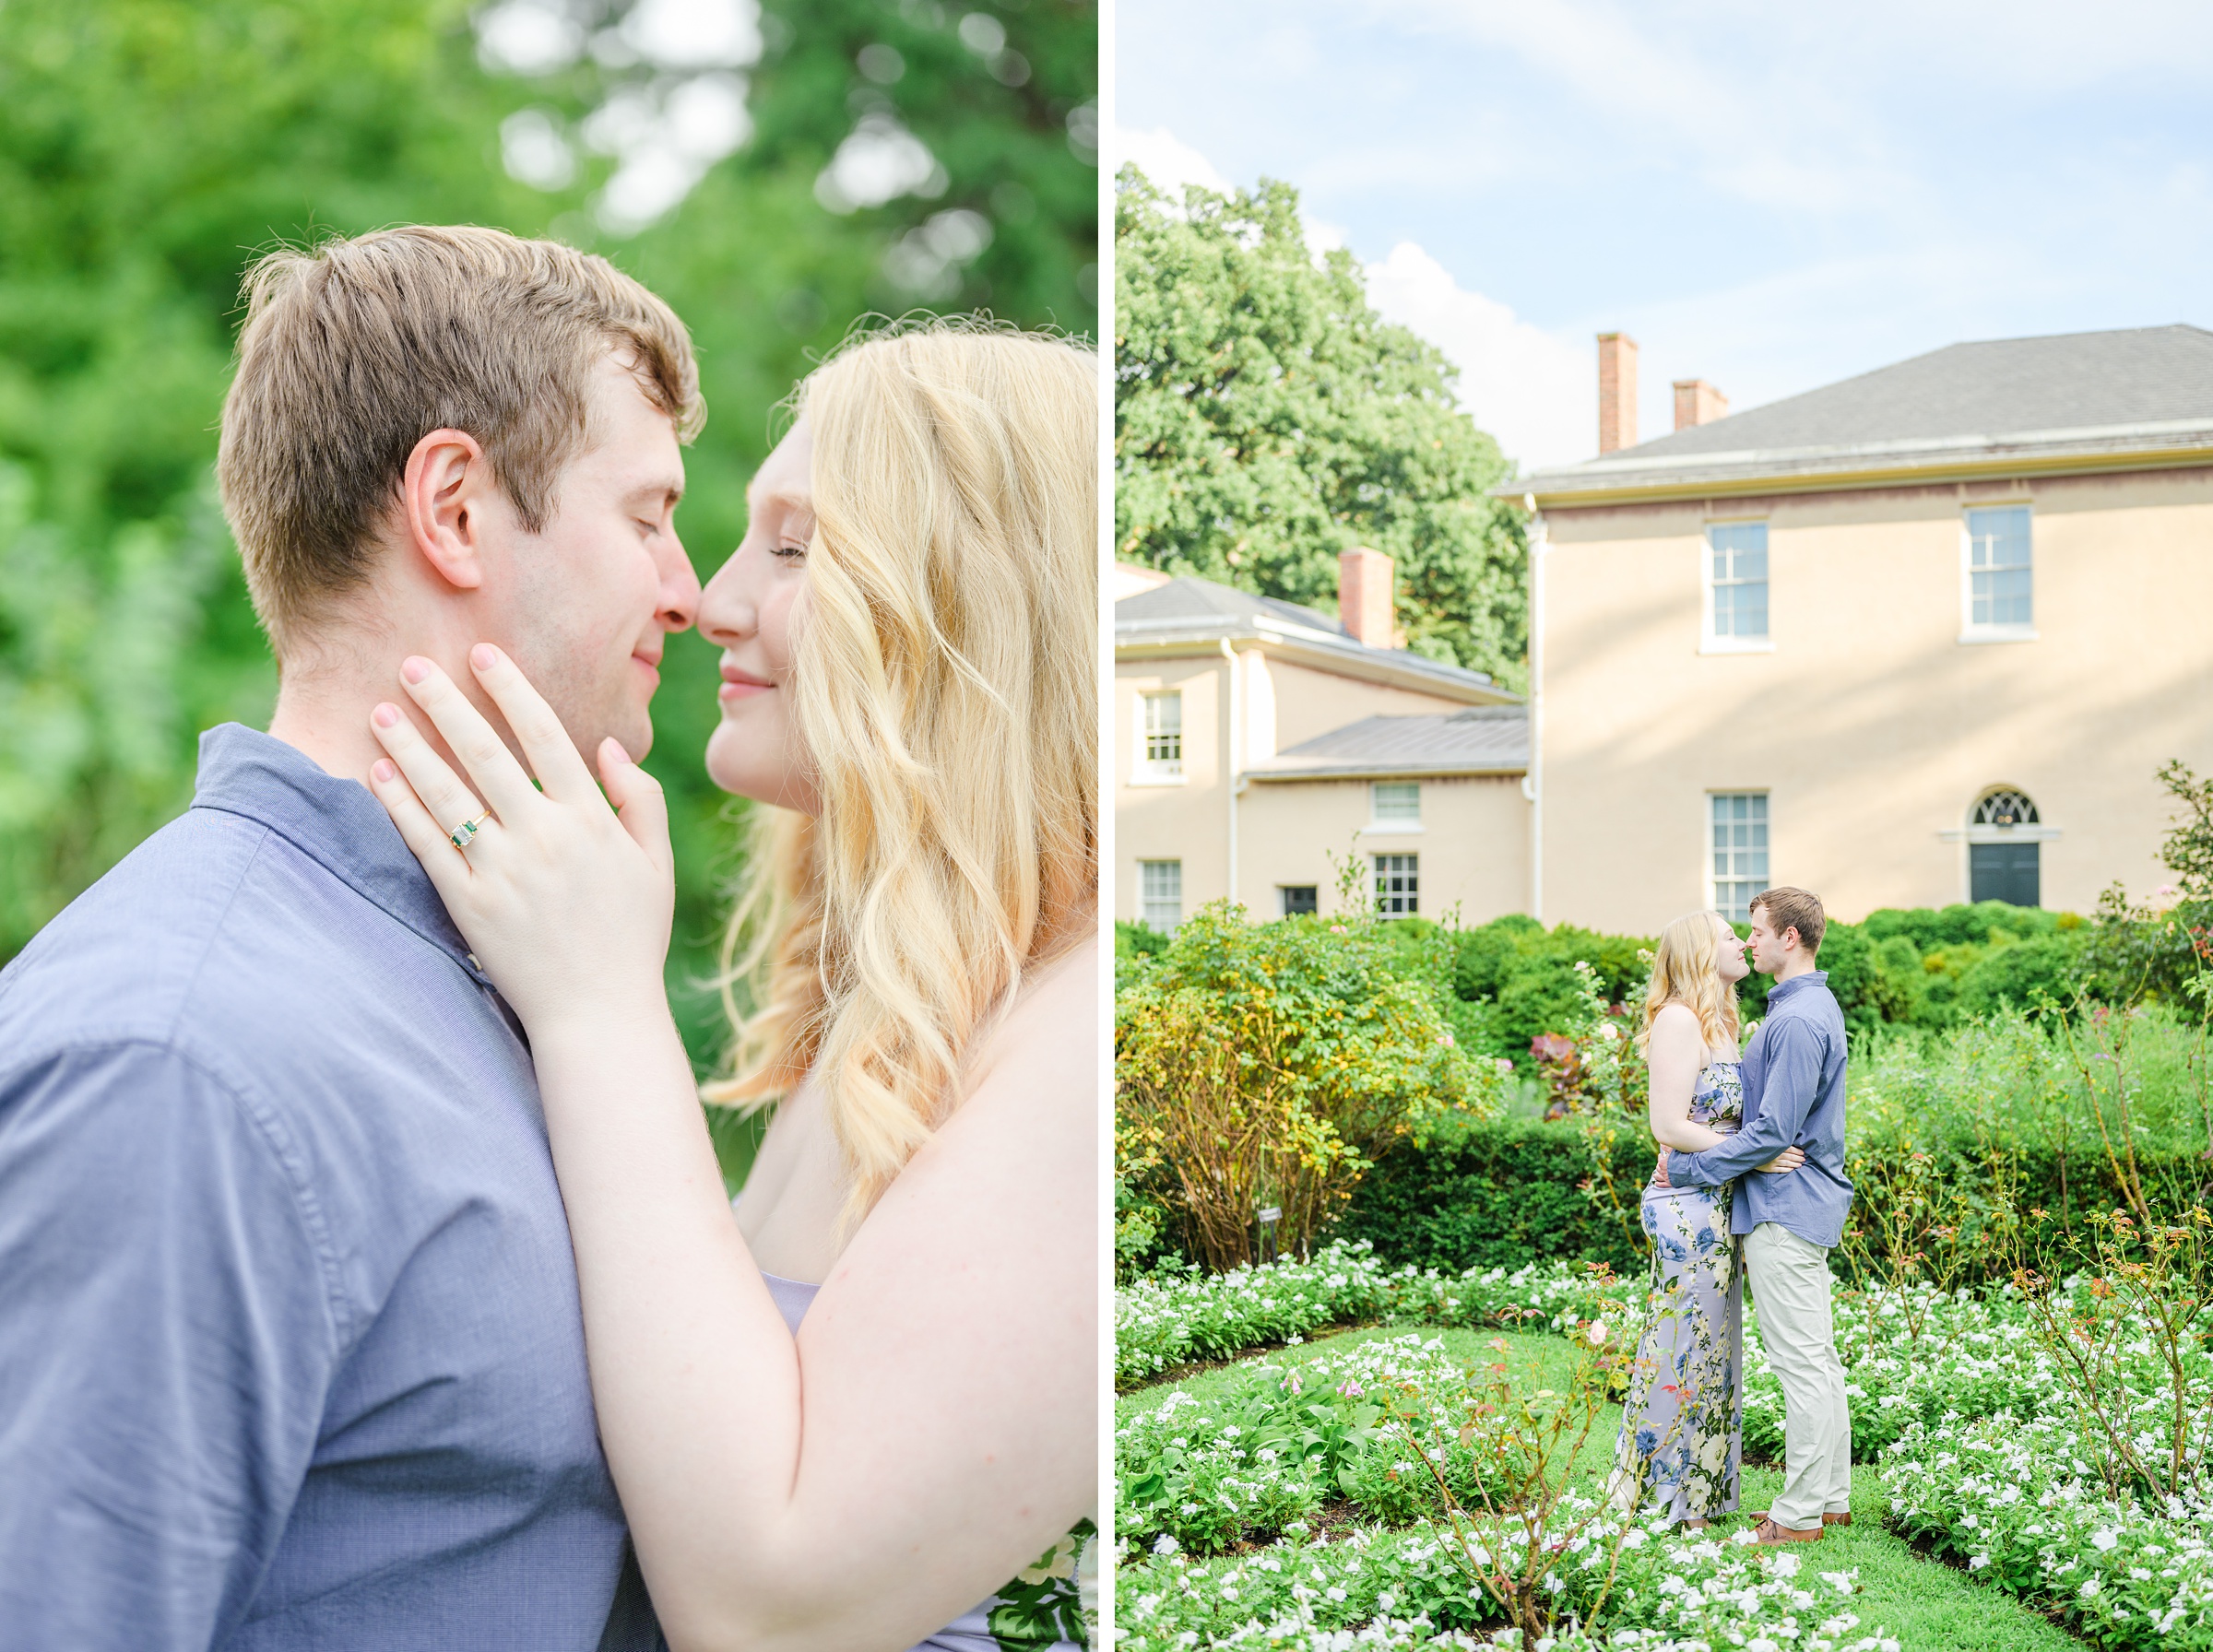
1682 1429
845 1417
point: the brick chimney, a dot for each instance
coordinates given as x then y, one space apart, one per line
1696 402
1616 392
1364 597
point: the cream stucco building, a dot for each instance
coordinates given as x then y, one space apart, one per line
1919 637
1257 740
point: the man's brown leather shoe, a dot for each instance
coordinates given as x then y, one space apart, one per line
1842 1519
1768 1532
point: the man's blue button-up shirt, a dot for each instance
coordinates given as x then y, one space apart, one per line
1793 1076
290 1353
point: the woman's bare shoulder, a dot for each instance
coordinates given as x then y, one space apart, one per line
1675 1016
1058 1004
1049 1034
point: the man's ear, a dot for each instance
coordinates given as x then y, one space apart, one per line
443 495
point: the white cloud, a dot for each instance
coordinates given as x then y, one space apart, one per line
1322 237
1167 161
1533 390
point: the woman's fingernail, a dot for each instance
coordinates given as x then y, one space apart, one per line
415 668
384 715
383 771
483 657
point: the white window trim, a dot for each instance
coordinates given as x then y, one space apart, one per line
1970 632
1998 835
1175 861
1374 875
1142 773
1375 828
1708 882
1707 641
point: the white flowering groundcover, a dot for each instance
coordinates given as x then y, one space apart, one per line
1174 1318
1986 1462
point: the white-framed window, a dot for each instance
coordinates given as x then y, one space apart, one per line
1997 575
1735 576
1160 894
1295 900
1394 804
1398 885
2004 854
1740 852
1159 738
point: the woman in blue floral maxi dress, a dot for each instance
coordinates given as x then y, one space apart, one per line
1682 1428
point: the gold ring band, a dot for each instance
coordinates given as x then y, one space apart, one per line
465 835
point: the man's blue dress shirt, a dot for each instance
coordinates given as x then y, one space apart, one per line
1793 1074
291 1354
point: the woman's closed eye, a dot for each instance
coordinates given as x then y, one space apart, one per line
790 552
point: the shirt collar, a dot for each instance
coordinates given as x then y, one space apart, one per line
337 824
1781 989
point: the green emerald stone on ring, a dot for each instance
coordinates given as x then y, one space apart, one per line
466 833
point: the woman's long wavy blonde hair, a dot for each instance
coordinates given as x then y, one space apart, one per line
944 687
1687 970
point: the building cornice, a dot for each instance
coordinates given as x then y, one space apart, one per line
1185 638
1430 769
2083 451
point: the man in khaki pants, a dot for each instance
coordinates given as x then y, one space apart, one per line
1793 1076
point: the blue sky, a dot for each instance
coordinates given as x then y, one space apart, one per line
1766 196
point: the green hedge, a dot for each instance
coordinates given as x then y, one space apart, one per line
1497 1193
1500 1192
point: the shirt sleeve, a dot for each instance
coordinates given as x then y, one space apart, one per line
1793 1080
166 1341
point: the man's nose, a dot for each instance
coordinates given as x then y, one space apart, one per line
680 588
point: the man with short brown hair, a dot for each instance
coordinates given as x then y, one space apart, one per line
1793 1084
288 1318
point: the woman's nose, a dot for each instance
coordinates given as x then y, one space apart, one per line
727 612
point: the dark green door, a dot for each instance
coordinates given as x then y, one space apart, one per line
2004 872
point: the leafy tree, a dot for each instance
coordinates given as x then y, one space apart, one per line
149 148
1266 418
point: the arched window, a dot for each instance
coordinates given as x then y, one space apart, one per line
2006 806
2001 867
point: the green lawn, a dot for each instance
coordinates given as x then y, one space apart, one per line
1930 1607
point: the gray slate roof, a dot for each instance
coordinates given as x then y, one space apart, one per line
1483 739
1190 597
2087 393
1190 605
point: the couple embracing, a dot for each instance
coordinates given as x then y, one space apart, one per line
367 1279
1750 1183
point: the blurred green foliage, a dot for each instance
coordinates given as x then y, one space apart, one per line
149 148
1929 968
1267 418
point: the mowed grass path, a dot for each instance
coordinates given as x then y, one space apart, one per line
1930 1607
